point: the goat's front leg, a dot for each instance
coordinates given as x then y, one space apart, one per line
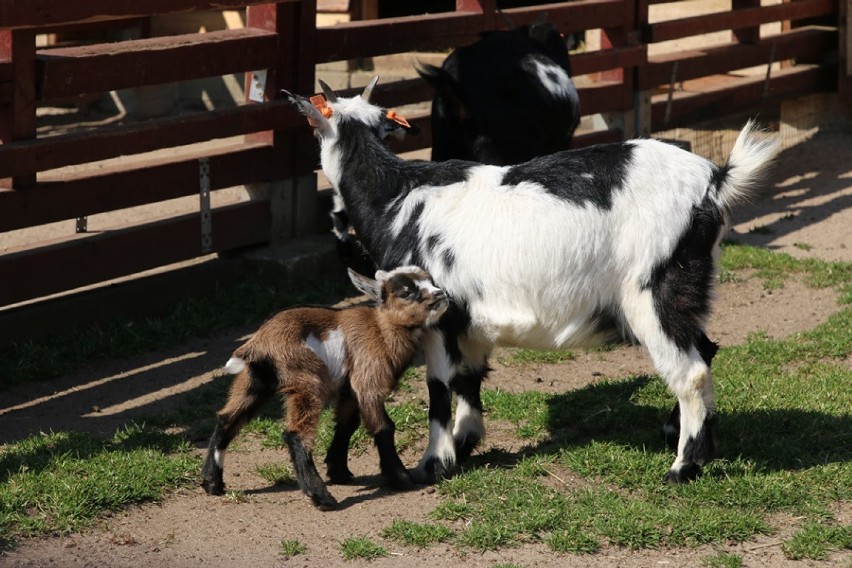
381 427
439 460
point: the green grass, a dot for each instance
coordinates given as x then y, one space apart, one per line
61 482
815 541
722 560
361 548
291 548
417 534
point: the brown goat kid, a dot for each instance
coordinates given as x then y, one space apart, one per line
313 357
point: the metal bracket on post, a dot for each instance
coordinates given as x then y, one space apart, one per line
82 225
257 86
204 201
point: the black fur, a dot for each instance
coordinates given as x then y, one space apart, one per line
306 472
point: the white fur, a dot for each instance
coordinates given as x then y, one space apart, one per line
332 352
545 72
235 365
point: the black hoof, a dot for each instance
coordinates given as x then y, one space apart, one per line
433 471
339 476
324 502
465 447
213 487
400 481
689 472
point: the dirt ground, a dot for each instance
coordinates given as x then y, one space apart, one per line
806 212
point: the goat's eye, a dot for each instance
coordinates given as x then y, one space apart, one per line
407 293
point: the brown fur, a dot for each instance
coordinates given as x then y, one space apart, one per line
378 344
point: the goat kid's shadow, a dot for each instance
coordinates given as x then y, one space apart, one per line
770 439
366 488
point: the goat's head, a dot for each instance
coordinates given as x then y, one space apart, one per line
325 113
406 295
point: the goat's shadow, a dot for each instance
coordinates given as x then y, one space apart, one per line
783 439
366 488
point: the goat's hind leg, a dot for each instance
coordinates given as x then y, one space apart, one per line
303 412
347 419
249 391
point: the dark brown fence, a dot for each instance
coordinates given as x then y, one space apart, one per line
633 89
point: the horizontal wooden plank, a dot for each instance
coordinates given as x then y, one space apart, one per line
15 14
607 59
87 259
736 19
713 97
584 139
119 187
602 96
110 141
576 16
368 38
800 42
71 71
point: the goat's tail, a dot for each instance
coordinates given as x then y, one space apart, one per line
235 365
748 164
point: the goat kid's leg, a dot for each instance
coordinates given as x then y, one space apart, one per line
671 429
249 391
439 460
347 419
303 413
379 425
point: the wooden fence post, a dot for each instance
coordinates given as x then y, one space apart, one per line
18 113
293 194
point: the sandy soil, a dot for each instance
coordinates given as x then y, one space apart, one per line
807 214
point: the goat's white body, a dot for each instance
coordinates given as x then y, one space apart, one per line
589 257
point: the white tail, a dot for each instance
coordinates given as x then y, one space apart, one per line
235 365
750 158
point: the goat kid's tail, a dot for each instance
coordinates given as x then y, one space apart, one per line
235 365
747 165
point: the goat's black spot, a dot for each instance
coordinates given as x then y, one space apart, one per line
701 448
449 259
403 286
264 378
568 175
454 323
681 285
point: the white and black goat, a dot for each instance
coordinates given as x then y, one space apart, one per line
313 356
566 250
505 98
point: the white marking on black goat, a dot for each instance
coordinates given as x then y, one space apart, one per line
565 250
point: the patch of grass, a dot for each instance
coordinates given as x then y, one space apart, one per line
417 534
61 482
773 268
358 547
276 473
534 357
573 540
291 548
816 541
722 560
253 299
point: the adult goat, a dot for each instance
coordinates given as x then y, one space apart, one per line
566 250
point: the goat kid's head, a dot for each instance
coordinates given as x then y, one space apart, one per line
324 114
406 295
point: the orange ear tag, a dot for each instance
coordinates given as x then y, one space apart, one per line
398 118
319 103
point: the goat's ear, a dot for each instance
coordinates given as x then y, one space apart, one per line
312 113
372 288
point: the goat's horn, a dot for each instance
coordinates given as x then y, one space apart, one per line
368 90
329 93
509 23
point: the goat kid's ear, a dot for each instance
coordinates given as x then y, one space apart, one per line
306 108
372 288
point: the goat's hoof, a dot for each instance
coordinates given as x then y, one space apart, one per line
340 476
687 473
212 487
431 472
324 503
401 481
465 446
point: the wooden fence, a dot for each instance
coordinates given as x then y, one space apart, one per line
265 142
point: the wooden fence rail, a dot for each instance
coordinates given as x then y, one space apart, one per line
59 178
